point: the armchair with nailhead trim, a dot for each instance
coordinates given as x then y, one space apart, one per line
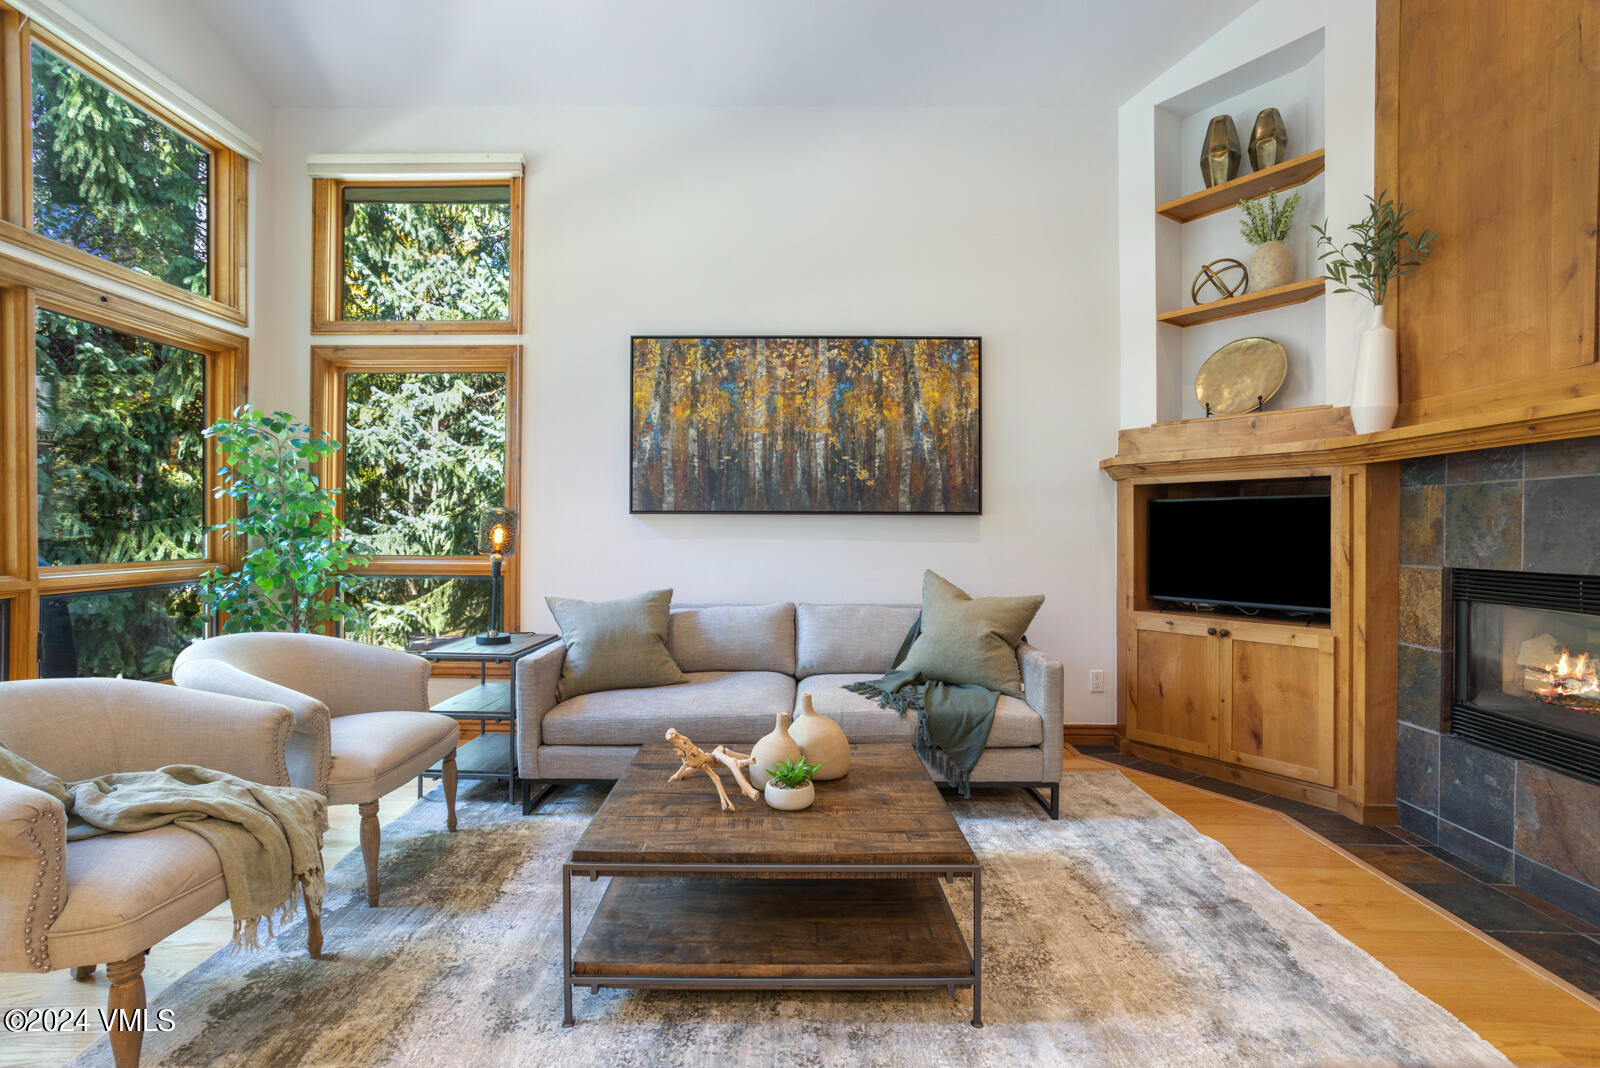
108 899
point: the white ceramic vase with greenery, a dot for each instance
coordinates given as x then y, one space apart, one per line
789 787
1266 224
1381 251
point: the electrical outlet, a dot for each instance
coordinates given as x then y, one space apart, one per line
1097 681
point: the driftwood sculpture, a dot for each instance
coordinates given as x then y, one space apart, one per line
696 759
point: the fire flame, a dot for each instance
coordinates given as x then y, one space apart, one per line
1572 681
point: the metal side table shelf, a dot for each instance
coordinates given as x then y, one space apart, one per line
482 758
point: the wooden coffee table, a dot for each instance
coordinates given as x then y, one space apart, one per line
844 895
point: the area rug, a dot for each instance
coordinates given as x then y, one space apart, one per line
1116 936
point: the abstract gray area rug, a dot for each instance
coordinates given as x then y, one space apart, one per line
1116 936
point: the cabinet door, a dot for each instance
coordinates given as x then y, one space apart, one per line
1173 702
1277 700
1486 128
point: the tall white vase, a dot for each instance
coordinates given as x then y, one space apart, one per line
1376 396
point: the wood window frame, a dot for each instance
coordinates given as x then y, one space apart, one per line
26 287
327 262
228 205
330 367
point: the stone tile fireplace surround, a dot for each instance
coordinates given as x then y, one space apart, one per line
1533 508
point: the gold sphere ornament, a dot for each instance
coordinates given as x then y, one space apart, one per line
1228 277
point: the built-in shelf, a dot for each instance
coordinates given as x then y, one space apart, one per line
1285 175
1276 297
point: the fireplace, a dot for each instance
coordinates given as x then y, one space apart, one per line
1525 670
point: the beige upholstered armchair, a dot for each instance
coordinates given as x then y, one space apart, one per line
362 725
107 900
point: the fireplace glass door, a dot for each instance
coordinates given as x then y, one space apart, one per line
1527 675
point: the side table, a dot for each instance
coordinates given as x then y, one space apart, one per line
485 702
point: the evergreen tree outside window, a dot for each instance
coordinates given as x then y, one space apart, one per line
429 436
427 253
115 181
121 451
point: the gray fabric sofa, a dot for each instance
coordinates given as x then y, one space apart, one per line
747 663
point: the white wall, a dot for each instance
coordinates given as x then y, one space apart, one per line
1158 362
999 223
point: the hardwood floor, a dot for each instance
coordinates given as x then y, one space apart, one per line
1526 1012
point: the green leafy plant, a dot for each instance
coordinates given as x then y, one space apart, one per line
289 577
1267 220
792 774
1382 251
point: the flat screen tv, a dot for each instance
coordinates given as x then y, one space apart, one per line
1267 553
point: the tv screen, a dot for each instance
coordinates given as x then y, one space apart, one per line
1245 552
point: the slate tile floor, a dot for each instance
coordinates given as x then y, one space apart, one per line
1565 944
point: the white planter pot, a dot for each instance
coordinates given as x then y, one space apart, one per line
1271 265
1376 395
790 800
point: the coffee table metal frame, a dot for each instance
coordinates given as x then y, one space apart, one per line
594 871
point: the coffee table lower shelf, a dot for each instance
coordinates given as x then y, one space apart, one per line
776 934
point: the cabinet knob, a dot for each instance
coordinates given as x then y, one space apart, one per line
1211 630
1224 633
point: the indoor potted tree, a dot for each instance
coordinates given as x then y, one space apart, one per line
789 785
1382 251
288 578
1265 224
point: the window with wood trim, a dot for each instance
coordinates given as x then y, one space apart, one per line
106 476
421 257
100 176
430 439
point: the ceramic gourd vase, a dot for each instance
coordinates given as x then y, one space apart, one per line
1271 265
775 748
1376 396
821 740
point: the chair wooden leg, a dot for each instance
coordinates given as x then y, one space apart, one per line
449 776
83 973
314 932
125 1010
369 846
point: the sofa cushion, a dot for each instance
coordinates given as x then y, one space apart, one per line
613 644
970 640
733 637
832 639
1016 725
713 708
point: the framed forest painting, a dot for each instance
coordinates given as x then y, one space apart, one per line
806 424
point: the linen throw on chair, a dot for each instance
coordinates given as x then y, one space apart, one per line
268 838
953 720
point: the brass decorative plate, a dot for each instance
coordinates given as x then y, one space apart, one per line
1241 376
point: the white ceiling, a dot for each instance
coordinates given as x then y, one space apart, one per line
378 53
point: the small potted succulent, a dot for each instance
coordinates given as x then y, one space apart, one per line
1266 226
789 785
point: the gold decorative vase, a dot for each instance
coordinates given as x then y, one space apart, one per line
1269 140
775 748
1219 155
821 740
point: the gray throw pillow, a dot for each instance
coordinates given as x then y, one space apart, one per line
970 640
614 645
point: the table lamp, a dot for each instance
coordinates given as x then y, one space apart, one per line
497 536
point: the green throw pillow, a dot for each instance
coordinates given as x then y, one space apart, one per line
970 640
614 645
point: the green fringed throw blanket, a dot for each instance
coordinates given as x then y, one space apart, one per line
269 838
953 721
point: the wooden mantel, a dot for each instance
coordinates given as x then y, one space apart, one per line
1323 436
